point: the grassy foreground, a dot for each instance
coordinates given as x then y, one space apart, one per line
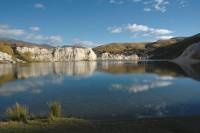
72 125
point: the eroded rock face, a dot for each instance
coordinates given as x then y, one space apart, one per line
59 54
73 54
4 57
108 56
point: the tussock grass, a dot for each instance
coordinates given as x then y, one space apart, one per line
18 113
55 110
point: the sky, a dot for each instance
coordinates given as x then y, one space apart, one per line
96 22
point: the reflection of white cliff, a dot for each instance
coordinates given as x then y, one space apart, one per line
6 69
82 68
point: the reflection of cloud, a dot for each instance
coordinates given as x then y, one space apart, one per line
145 85
166 78
160 109
31 85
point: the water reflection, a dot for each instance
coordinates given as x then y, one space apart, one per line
103 89
10 72
145 85
32 85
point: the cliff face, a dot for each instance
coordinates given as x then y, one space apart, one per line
108 56
4 57
50 54
59 54
73 54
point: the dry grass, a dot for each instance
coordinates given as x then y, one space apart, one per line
18 113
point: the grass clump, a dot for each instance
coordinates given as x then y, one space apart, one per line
55 110
18 113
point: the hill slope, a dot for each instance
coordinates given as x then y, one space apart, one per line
173 51
161 49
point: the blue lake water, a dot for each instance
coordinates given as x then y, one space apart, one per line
103 90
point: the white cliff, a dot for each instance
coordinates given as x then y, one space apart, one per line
108 56
59 54
6 58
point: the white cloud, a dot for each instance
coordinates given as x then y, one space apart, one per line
53 39
153 5
84 43
164 37
137 28
183 3
137 0
119 2
35 28
39 6
27 35
115 29
146 9
142 30
160 31
8 31
160 5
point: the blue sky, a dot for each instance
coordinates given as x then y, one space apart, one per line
94 22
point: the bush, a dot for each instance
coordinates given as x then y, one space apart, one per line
6 49
55 110
18 113
26 56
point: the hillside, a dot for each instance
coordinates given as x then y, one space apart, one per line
121 48
141 49
175 50
161 49
18 43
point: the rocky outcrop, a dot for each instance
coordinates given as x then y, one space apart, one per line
190 55
6 58
73 54
58 54
108 56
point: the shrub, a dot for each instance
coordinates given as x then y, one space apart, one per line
26 56
55 110
18 113
6 49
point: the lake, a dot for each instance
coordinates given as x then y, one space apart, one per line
103 90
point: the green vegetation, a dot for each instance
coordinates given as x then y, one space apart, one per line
19 116
72 125
6 48
161 49
119 48
55 110
26 56
18 113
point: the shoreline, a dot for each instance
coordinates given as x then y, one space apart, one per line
74 125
